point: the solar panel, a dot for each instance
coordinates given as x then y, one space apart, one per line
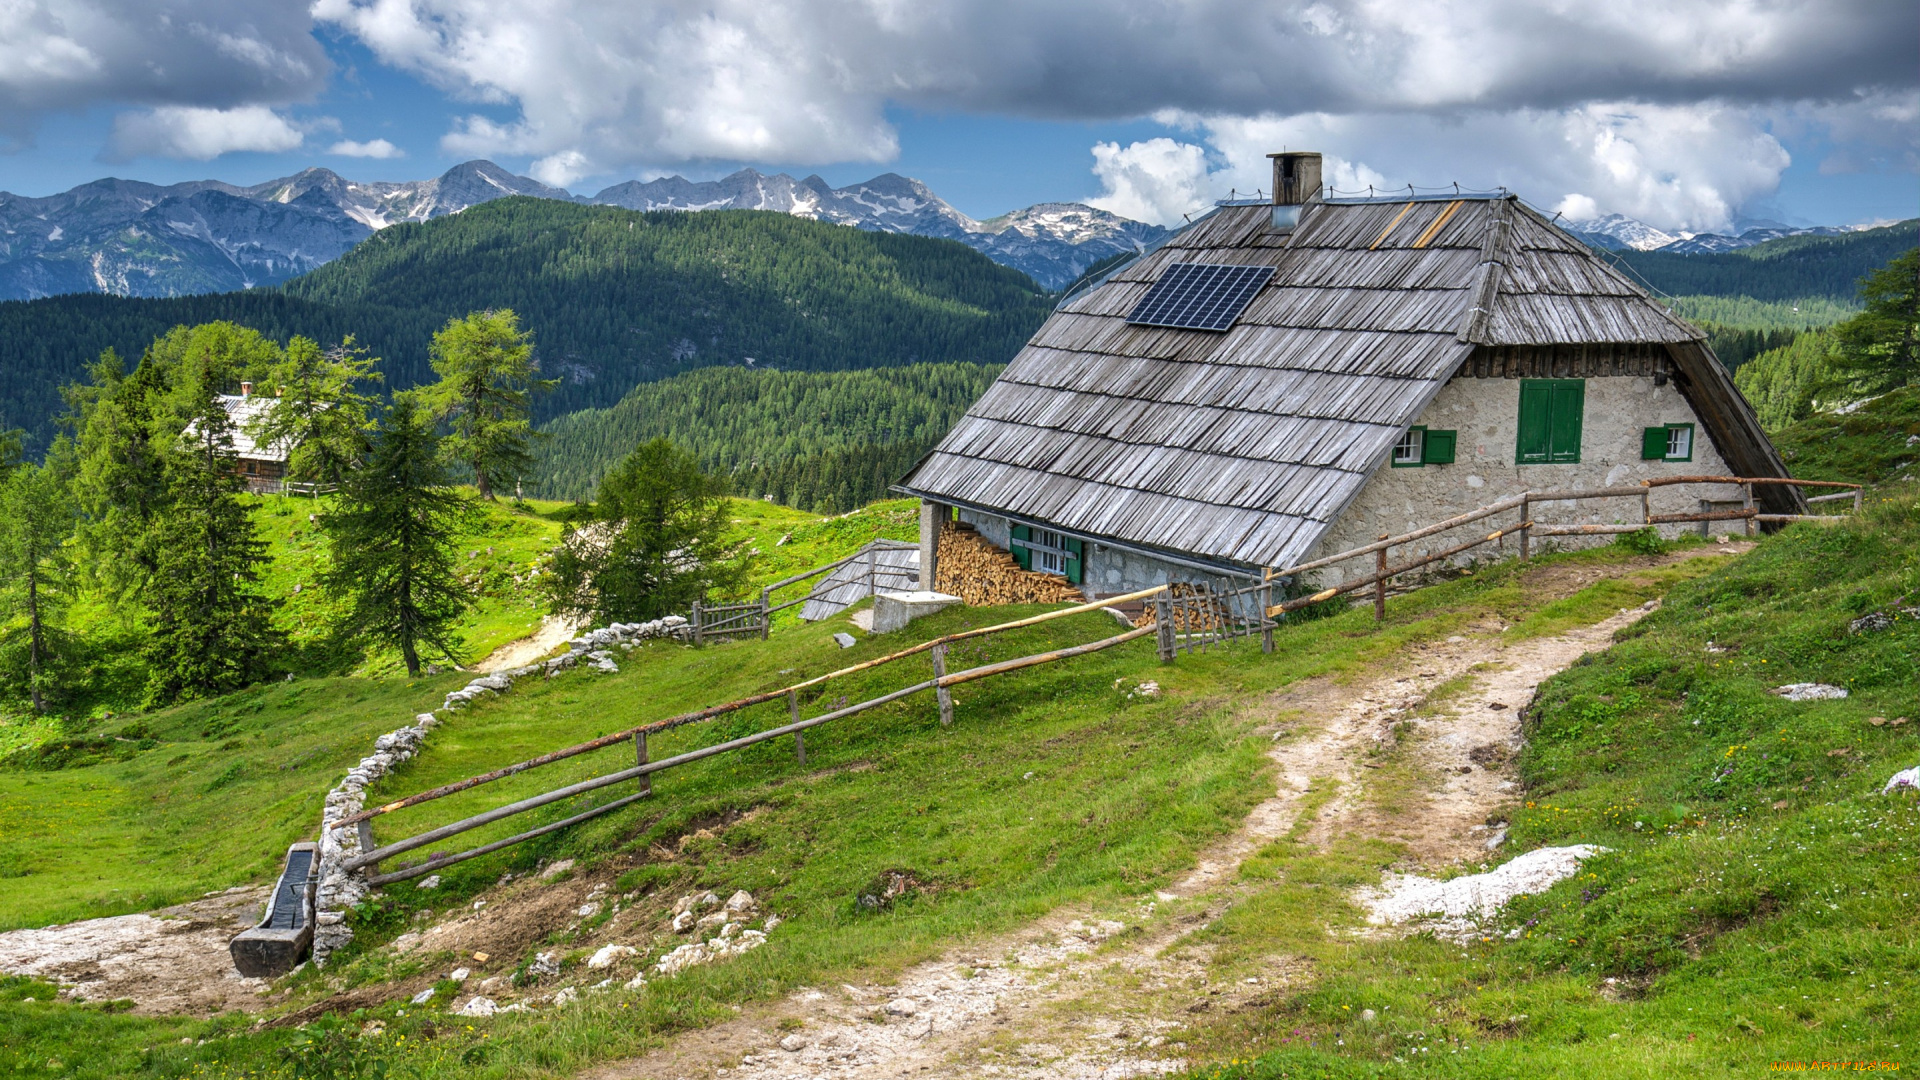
1199 296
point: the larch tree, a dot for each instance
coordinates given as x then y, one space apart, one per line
211 628
655 544
391 533
36 576
319 413
1879 349
120 482
487 381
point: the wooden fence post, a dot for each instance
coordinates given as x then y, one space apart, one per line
1646 506
1266 622
799 737
944 695
873 572
766 615
697 636
1858 501
640 758
1163 626
1380 583
366 845
1746 503
1526 529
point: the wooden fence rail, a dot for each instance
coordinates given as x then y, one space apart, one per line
1193 617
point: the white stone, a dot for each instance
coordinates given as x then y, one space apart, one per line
1905 778
477 1006
431 881
742 903
894 610
609 955
844 640
459 974
556 869
902 1006
566 996
1810 691
422 997
1464 901
793 1044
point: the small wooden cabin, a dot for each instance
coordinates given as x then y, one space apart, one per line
263 465
1284 380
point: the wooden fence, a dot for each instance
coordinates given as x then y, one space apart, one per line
1188 616
1527 529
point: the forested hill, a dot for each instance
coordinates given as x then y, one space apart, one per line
822 441
614 298
1790 268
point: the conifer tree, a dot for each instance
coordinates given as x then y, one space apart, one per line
120 483
318 413
655 544
391 532
210 627
487 381
1879 349
36 518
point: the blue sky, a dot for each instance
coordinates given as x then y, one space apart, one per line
1682 115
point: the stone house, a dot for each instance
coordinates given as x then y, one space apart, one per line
1280 381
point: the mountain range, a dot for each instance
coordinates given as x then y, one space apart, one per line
1617 232
130 238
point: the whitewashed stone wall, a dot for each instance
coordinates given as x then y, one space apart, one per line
1486 414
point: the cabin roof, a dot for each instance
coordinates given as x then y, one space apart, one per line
1244 446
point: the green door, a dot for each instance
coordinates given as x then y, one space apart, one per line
1550 416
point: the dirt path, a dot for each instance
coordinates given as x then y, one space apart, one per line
170 961
554 632
1082 998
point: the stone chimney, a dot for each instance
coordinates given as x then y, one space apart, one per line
246 389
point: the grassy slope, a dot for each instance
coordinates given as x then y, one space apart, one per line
1121 794
267 755
1878 442
1758 906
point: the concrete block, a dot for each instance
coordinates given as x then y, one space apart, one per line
894 610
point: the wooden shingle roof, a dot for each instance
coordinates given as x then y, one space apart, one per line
1243 446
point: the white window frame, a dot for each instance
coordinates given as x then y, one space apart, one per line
1049 562
1411 448
1683 433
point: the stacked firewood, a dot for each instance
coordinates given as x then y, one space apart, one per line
972 568
1193 611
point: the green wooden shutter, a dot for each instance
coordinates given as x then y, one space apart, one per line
1569 408
1533 445
1438 447
1074 563
1021 553
1653 443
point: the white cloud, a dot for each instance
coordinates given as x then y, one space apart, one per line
1677 167
62 55
379 149
1159 180
599 85
180 131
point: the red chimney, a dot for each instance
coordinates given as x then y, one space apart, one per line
246 388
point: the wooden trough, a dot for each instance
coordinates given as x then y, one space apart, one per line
285 933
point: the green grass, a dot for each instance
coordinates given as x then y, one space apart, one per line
1870 445
1759 903
1121 794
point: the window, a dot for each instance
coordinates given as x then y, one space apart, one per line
1550 415
1049 561
1424 446
1047 552
1406 452
1669 442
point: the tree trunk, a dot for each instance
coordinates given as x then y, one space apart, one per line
33 640
410 654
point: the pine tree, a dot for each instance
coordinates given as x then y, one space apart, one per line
211 629
391 533
318 413
655 544
487 382
36 518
